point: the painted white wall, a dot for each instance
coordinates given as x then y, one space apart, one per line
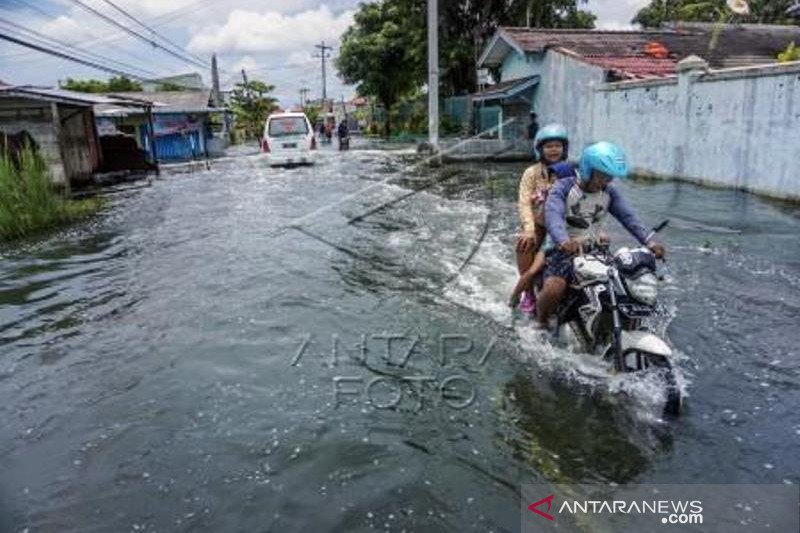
735 128
565 95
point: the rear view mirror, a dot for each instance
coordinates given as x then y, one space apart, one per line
661 226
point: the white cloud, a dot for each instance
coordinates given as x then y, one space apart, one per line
615 14
249 31
66 28
300 57
244 62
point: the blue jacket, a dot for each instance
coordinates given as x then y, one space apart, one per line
556 208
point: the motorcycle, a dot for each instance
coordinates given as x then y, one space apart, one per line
606 307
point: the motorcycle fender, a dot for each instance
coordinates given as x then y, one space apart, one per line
643 341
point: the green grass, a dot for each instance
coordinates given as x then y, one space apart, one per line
29 203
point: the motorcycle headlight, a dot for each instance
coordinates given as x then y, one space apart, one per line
644 288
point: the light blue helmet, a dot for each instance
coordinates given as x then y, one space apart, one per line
606 157
551 132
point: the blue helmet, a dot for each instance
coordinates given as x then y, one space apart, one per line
551 132
562 169
606 157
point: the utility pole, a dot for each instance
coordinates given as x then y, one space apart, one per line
246 86
215 95
323 54
433 75
304 96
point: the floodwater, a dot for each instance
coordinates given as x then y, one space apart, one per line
250 349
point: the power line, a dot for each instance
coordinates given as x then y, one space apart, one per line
33 7
157 21
42 38
69 57
107 39
135 33
154 32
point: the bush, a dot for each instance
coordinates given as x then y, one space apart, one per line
449 125
28 201
792 53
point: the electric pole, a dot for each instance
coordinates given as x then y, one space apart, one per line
215 94
433 75
246 86
323 54
304 96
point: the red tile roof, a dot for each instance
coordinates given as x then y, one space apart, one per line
625 51
634 67
583 42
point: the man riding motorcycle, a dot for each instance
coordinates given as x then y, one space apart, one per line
589 196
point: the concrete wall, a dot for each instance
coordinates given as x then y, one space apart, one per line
565 95
735 128
643 120
36 119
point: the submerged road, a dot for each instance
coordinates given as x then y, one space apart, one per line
248 349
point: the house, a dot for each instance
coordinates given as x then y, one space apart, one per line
697 102
61 123
183 123
531 61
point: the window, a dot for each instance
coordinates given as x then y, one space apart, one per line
282 126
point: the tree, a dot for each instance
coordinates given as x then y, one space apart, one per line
313 113
376 54
386 48
170 87
658 12
115 84
466 25
251 105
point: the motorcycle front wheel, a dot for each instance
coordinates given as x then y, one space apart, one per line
636 361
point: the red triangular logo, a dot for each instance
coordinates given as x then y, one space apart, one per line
549 501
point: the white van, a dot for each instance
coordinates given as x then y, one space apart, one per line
289 139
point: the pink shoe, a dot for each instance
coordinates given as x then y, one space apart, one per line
527 303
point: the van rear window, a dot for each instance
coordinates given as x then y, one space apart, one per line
281 126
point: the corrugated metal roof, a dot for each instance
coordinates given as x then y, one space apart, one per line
64 96
173 101
505 89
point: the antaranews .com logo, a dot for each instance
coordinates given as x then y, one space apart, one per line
670 511
668 508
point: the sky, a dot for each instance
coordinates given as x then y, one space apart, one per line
273 40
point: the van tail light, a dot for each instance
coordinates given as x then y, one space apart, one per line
313 142
264 146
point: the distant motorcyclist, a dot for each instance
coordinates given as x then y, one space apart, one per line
590 197
343 133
